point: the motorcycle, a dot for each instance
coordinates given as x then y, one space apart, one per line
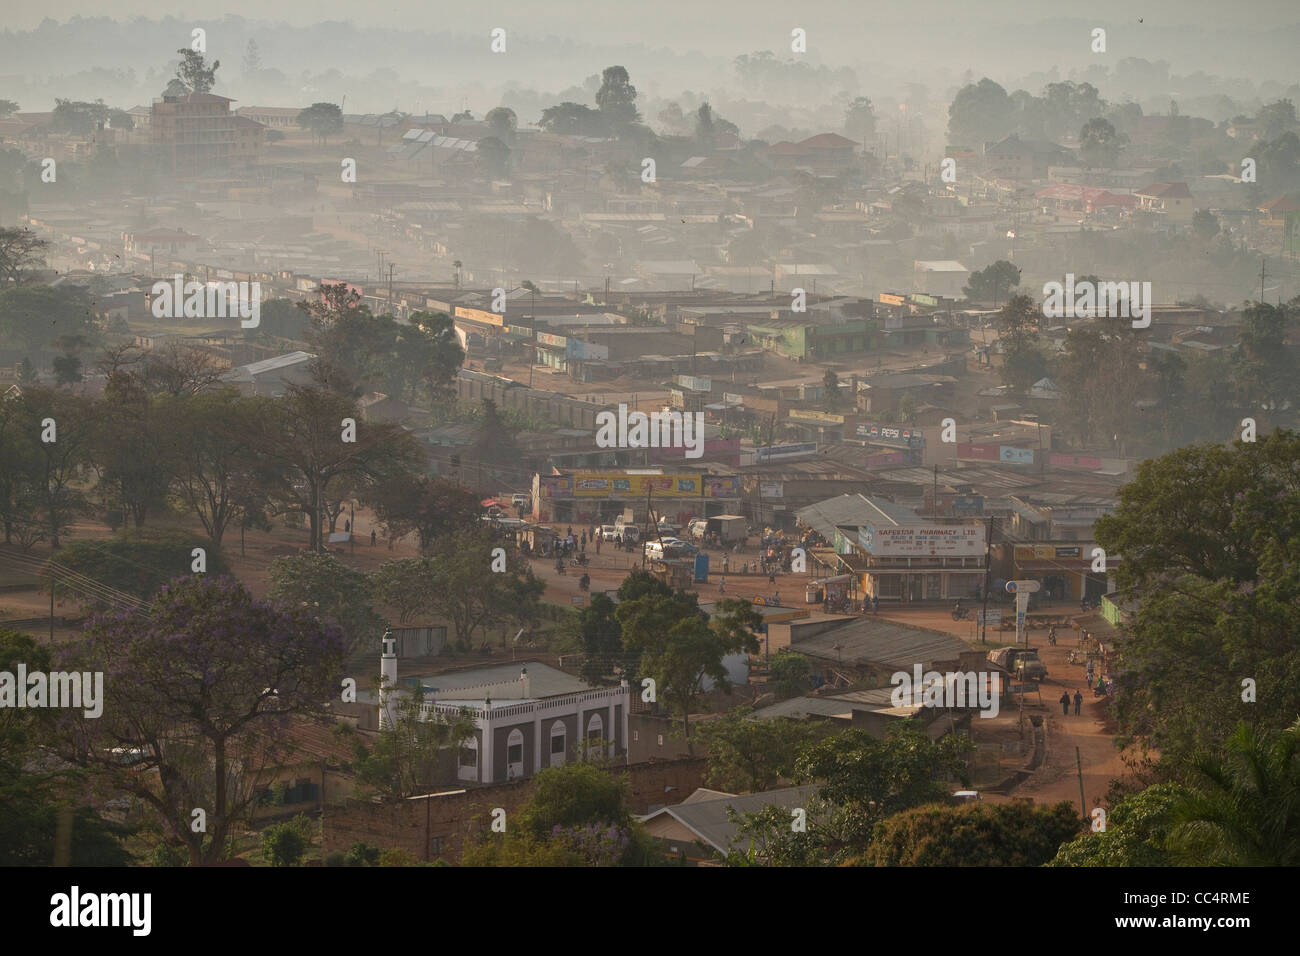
584 582
960 613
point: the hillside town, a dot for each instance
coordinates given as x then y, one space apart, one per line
593 483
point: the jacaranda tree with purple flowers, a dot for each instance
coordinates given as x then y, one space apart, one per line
197 692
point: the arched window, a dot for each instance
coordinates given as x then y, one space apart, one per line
596 736
467 761
515 755
559 743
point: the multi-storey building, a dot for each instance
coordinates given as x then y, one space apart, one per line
198 131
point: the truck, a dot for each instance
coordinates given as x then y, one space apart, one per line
1020 661
728 528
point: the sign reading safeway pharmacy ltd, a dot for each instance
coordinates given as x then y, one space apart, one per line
922 540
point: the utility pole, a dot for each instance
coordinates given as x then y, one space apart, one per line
1078 764
988 553
1261 279
390 287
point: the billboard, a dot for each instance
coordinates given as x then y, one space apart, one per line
1019 456
787 452
589 351
979 452
812 415
695 383
555 486
480 315
1047 552
922 540
968 504
589 484
771 489
551 339
891 435
886 459
888 298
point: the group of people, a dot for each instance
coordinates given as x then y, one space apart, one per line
1065 703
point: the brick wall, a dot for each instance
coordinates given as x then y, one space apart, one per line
438 825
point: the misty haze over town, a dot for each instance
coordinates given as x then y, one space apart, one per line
735 434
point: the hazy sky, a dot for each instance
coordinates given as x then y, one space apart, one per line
845 26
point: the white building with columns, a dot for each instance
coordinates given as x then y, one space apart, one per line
527 715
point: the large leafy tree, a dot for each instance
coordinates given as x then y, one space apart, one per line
407 758
993 283
134 449
57 465
301 439
20 467
32 794
1008 834
748 754
1136 834
862 781
574 119
21 252
1023 362
681 648
323 119
1208 538
37 316
1100 377
1263 364
860 120
426 506
980 112
578 815
194 72
616 97
1099 143
601 638
874 778
217 473
324 585
456 581
198 691
1245 807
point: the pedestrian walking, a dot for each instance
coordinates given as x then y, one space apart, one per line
771 577
722 584
1078 703
584 539
875 604
1065 703
372 537
598 545
725 564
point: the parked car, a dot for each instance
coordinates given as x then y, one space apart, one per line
608 532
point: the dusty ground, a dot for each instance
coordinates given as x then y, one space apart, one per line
1004 745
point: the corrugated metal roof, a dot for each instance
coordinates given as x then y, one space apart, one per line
855 510
707 819
885 643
